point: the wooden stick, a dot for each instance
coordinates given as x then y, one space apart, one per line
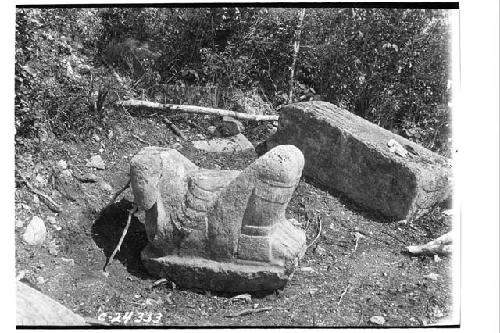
317 236
441 246
124 233
174 128
113 199
45 198
141 140
343 293
249 311
361 314
196 109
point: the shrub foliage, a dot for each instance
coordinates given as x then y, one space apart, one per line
390 66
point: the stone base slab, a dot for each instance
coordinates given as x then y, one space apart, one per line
240 276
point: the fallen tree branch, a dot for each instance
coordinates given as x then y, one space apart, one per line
174 128
196 109
124 233
45 198
141 140
113 199
249 311
317 236
343 293
440 246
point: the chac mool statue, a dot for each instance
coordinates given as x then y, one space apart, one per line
221 230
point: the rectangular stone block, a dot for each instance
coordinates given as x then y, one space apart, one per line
351 155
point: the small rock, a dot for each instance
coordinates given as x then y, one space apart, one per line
62 164
96 162
36 200
101 150
432 276
313 291
110 134
211 130
35 232
437 258
319 250
437 312
307 269
379 320
245 297
96 137
40 280
52 247
273 130
106 187
19 223
41 180
67 173
71 262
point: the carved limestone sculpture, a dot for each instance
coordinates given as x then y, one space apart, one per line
221 230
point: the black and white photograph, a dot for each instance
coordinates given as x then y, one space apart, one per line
237 165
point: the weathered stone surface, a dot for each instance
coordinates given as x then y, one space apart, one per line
219 229
36 309
35 232
351 155
224 145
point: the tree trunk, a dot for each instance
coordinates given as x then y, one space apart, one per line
296 47
196 109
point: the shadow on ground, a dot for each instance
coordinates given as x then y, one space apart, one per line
107 230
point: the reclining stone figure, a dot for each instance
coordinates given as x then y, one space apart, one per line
222 230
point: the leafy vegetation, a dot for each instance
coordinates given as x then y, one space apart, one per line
389 66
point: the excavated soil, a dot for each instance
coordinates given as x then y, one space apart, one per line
355 269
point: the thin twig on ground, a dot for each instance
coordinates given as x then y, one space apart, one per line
361 314
343 293
45 198
113 199
174 128
317 236
124 233
358 236
249 311
141 140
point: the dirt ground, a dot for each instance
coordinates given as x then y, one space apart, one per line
354 270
